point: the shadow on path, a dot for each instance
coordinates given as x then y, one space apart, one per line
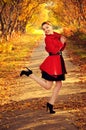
31 114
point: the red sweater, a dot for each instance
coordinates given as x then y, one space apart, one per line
54 64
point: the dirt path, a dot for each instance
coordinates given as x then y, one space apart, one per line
30 100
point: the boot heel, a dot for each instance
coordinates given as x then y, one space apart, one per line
50 108
26 72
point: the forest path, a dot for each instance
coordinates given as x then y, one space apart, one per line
30 100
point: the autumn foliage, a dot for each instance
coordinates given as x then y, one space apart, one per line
15 14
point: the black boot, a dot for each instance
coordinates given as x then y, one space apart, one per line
50 107
26 72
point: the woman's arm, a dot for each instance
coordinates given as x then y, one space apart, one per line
63 39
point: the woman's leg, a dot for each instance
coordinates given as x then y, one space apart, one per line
55 92
44 83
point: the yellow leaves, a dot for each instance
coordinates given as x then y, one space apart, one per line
11 61
6 47
4 96
1 82
7 1
69 13
40 15
27 10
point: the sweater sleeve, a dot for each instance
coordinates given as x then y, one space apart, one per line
53 46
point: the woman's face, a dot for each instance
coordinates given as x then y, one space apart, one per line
47 29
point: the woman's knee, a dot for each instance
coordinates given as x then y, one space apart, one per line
49 85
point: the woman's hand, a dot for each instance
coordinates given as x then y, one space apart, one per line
63 39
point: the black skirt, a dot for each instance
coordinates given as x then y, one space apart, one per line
53 78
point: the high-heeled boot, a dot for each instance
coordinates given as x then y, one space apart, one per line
50 107
26 72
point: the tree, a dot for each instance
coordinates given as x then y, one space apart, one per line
15 14
8 16
70 13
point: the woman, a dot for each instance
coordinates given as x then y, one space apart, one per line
53 67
